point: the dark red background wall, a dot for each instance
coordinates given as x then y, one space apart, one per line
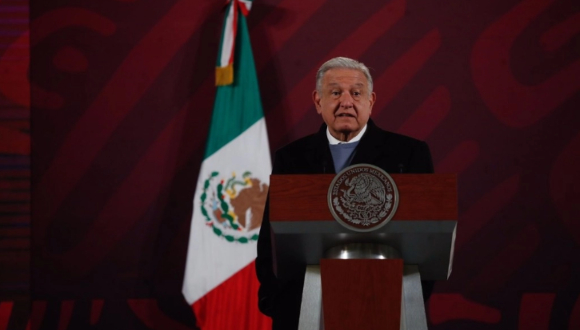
121 97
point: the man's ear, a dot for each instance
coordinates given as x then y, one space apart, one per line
316 100
372 100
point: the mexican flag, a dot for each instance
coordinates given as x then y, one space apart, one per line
220 281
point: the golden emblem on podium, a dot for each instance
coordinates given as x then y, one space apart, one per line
363 197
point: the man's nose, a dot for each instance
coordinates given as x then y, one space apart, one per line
346 100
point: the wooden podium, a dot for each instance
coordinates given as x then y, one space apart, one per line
380 293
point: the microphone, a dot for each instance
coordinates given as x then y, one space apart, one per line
324 166
401 168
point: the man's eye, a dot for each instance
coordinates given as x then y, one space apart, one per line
335 93
356 93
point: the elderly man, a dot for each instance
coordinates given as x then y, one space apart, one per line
344 98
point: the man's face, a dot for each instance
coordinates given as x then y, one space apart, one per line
344 102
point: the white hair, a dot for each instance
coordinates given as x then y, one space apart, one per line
346 63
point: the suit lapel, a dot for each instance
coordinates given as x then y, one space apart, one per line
370 146
320 161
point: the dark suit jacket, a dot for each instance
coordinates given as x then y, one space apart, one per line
392 152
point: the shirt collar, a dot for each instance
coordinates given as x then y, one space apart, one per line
332 140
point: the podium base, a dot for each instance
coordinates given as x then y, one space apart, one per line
311 309
412 307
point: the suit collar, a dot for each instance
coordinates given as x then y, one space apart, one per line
369 148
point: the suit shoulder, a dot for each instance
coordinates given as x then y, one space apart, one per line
410 155
303 156
298 145
399 139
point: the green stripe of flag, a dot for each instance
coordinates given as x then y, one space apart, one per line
237 106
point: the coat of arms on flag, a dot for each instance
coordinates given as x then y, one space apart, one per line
233 207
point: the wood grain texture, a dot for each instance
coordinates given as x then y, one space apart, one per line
361 293
422 197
